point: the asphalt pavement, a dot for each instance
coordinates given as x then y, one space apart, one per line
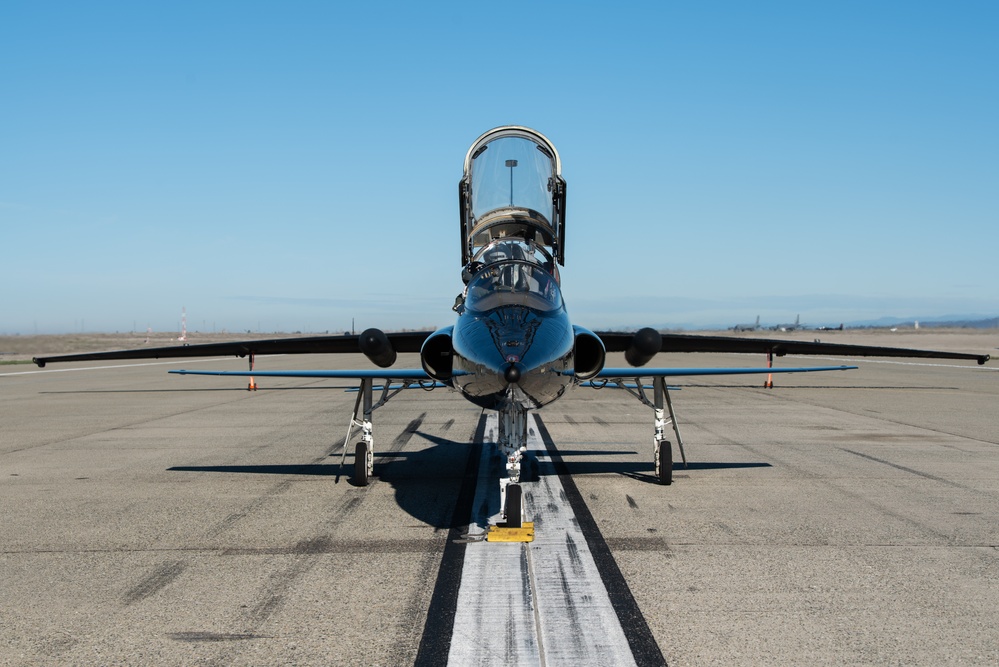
839 518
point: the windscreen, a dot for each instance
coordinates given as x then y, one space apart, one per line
512 172
513 282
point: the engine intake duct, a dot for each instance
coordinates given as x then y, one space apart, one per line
437 355
645 344
376 346
590 354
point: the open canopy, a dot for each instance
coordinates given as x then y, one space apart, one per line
512 188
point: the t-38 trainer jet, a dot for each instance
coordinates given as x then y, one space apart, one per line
513 348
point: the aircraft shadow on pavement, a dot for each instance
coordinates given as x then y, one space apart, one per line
644 471
427 481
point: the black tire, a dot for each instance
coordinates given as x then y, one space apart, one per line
514 511
361 464
664 470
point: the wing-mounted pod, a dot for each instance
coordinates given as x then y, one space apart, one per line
377 347
589 353
645 344
512 188
437 355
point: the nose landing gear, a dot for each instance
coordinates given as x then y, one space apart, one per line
512 443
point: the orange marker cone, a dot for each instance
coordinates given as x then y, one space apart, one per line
253 384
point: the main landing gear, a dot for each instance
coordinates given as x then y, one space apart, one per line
662 449
364 457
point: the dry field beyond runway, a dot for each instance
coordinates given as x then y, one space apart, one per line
843 518
24 347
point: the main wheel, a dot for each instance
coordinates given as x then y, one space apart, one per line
514 510
361 464
664 463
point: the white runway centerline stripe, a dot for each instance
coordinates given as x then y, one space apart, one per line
536 603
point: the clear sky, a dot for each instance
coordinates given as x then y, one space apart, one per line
290 166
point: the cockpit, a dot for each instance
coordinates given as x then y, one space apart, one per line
513 273
512 202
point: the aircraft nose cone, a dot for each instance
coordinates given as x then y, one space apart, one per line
512 374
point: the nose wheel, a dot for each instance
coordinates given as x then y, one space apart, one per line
513 506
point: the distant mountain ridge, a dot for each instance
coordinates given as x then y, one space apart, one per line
946 321
940 322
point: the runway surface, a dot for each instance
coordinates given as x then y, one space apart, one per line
841 518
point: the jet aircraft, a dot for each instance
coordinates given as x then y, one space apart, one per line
748 327
794 326
512 348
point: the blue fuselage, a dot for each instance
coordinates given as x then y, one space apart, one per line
513 355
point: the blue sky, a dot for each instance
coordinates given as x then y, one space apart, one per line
290 166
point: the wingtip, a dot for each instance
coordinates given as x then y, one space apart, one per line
982 359
41 362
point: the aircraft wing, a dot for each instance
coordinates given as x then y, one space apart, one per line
620 342
401 342
413 341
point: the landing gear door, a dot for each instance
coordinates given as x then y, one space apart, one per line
512 188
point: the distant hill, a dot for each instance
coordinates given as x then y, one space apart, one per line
947 321
944 322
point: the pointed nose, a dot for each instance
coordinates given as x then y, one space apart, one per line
512 374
